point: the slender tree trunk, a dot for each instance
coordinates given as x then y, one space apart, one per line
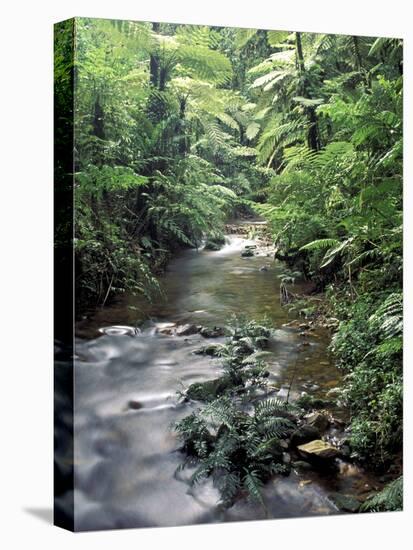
183 140
357 54
98 123
313 131
162 78
300 56
154 62
359 62
313 138
98 130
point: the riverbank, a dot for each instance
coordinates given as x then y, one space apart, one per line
131 362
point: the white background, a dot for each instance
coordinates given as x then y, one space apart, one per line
26 270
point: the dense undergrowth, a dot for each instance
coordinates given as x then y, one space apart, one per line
335 212
178 127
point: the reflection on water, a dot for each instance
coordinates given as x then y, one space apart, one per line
126 381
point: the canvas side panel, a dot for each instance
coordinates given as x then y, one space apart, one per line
63 274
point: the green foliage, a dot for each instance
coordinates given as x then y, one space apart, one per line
239 450
243 363
178 127
98 180
145 182
389 499
320 244
368 346
388 318
235 437
332 131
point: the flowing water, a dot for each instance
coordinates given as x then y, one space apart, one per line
126 379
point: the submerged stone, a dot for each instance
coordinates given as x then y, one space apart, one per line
308 402
212 332
211 349
209 390
186 330
347 503
301 465
318 420
134 405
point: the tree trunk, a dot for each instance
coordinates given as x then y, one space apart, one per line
183 140
300 56
154 61
313 138
162 78
356 44
98 124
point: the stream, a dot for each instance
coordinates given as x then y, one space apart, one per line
126 379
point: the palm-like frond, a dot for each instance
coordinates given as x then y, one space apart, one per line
320 244
388 318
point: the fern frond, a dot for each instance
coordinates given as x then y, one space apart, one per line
252 130
228 121
388 318
243 36
389 499
277 37
332 253
269 80
320 244
253 485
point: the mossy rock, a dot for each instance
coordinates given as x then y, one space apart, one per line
214 243
319 420
209 245
346 503
213 350
309 402
209 390
186 330
212 332
318 450
248 253
301 466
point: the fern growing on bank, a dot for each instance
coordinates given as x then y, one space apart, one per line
389 499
